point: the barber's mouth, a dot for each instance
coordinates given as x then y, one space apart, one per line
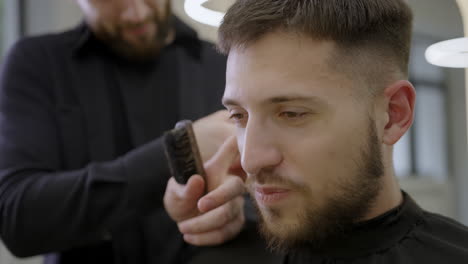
268 196
139 30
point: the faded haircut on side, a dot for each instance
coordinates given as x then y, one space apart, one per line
372 37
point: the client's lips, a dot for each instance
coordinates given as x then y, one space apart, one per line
267 195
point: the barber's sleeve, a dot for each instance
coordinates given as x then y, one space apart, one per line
43 208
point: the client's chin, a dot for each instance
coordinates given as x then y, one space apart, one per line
281 232
286 230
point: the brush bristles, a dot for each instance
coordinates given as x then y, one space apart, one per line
182 152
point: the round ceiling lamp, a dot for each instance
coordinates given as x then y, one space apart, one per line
450 53
199 13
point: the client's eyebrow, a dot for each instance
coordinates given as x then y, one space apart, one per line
294 98
280 99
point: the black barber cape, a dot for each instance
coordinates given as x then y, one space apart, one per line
82 165
406 234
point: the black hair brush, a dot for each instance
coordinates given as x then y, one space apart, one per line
182 152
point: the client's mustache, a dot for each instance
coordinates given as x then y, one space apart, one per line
266 177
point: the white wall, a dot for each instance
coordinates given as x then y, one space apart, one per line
10 18
51 15
436 17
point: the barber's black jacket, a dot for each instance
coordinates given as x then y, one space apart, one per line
70 111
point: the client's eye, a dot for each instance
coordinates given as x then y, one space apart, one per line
292 115
236 116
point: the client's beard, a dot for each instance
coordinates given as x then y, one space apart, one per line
319 227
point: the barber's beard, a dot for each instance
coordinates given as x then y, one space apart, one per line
318 227
146 47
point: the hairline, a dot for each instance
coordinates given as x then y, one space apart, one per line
346 60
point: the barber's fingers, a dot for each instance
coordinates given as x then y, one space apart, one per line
218 236
214 219
237 170
224 158
194 188
180 200
228 190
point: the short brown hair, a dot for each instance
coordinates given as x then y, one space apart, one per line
376 33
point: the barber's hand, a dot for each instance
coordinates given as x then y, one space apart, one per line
211 131
219 215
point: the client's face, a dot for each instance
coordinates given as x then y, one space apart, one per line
310 150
